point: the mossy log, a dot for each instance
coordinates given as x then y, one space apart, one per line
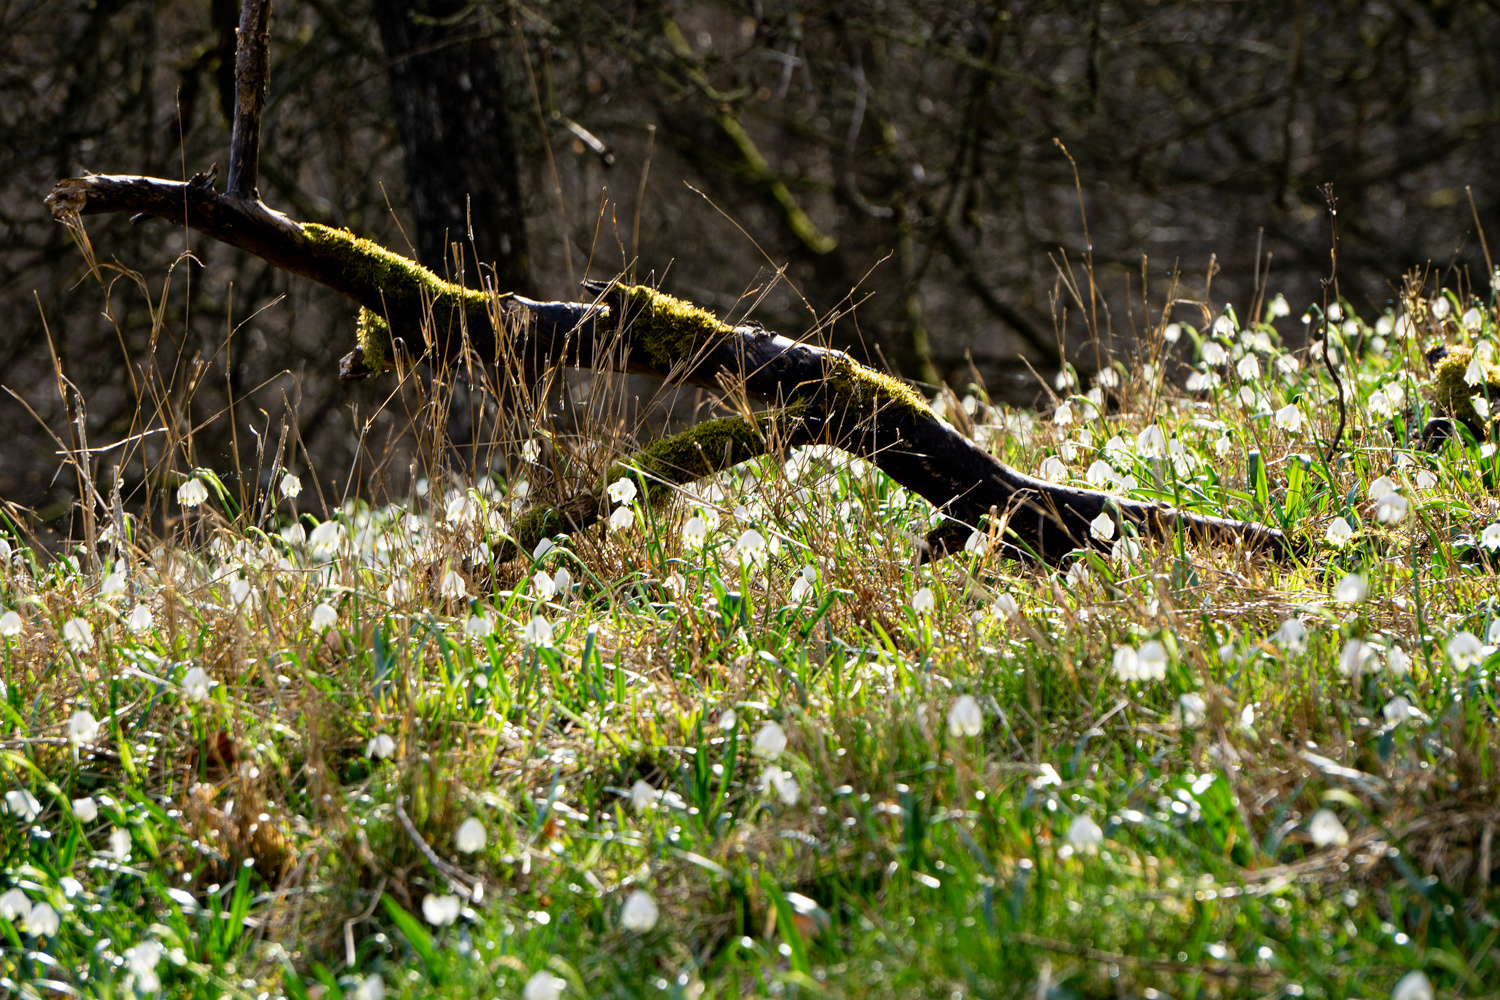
412 312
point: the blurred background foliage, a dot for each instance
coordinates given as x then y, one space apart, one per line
903 160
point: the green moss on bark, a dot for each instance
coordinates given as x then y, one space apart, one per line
858 387
696 453
1452 393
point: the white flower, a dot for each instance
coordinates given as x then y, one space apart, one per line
192 492
538 632
1247 717
1397 662
1102 527
1127 663
15 906
695 532
239 592
728 719
440 911
1379 404
803 583
622 518
1489 538
543 585
1125 550
1474 374
1100 475
1151 661
531 451
1335 312
1053 470
770 740
1288 418
1292 635
1172 332
1391 508
1214 353
1380 487
461 508
82 728
1004 608
1481 406
20 802
1355 657
86 809
42 921
10 624
922 602
642 796
1465 650
751 548
1192 709
112 585
78 634
1425 480
479 626
453 586
1413 986
372 987
196 684
1472 319
1201 381
324 617
1324 828
1278 307
562 581
622 490
543 986
1248 368
1151 443
290 486
294 533
142 961
1084 834
639 912
965 718
1352 589
1440 307
119 844
1399 710
470 836
380 747
1063 415
1338 532
141 619
781 782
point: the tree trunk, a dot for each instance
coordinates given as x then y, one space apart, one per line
448 90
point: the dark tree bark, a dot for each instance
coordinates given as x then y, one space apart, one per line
448 90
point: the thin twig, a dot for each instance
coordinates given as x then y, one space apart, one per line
1332 282
469 885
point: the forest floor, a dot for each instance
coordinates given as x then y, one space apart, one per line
745 744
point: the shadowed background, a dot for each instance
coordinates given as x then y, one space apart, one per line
898 158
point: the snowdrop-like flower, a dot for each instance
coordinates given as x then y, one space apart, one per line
324 617
1355 656
1288 418
11 624
1053 470
440 911
642 796
1481 406
196 684
775 779
1063 415
695 532
538 632
142 961
965 718
1278 307
192 493
622 490
1379 404
15 906
372 987
453 586
86 809
239 592
922 602
1151 443
1292 635
1413 986
1489 538
1214 353
1380 487
728 719
470 836
1352 589
1473 319
1172 332
1399 710
20 802
1201 381
1248 368
803 583
531 451
1391 508
479 626
380 747
542 548
82 728
141 619
1084 834
1192 710
622 518
640 912
543 986
1474 374
1102 527
1397 662
770 740
1004 608
1440 307
752 549
1127 663
1338 532
119 844
78 634
1325 829
1100 475
1151 661
112 585
291 486
1465 650
562 582
543 585
1125 550
42 921
461 508
1425 480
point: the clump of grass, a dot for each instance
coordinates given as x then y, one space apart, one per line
742 743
